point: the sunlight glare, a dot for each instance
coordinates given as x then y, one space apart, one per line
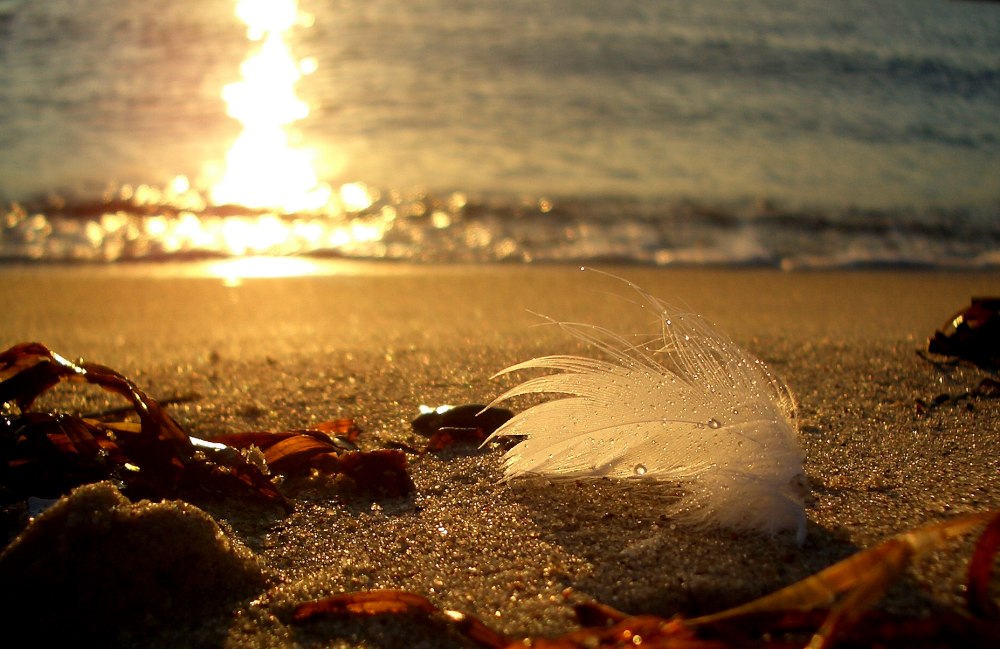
263 16
234 271
263 170
356 197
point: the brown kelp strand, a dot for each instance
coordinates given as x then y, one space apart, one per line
45 454
986 389
831 608
981 572
849 588
399 602
381 472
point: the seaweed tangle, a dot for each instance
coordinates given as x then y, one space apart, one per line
832 607
46 454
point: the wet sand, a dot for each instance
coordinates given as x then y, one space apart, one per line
375 341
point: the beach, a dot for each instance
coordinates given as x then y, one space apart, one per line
374 341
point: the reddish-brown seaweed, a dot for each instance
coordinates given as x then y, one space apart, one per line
381 471
825 609
48 453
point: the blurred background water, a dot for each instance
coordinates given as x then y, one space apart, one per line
798 133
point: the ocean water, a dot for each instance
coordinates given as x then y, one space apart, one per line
795 133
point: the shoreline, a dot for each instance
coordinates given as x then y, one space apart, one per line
373 344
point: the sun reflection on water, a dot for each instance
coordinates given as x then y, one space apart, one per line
263 169
232 272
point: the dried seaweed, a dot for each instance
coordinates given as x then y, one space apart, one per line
382 471
981 571
828 608
858 581
47 454
986 389
399 602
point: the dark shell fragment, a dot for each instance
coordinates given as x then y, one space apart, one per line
471 415
972 334
447 425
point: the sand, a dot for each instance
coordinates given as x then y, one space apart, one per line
374 341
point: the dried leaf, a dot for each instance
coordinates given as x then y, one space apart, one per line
265 440
295 453
643 630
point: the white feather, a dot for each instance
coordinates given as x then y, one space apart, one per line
685 406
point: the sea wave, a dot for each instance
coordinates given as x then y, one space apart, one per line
144 224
